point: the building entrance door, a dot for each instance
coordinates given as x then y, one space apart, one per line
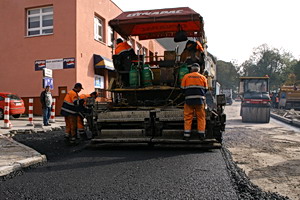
62 91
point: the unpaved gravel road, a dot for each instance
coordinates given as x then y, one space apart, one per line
268 153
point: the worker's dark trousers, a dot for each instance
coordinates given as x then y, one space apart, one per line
189 111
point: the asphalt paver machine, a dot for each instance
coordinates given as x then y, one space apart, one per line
153 113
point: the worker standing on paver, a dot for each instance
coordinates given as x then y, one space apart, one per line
122 46
70 111
195 86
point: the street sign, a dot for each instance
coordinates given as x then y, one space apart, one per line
47 81
60 63
47 72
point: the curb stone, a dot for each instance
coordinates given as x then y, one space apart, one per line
280 118
26 162
293 122
22 156
22 164
296 122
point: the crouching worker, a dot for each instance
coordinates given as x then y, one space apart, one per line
194 86
82 112
69 110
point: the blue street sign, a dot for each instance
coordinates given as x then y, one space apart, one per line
48 81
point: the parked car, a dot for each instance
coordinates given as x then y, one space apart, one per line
16 105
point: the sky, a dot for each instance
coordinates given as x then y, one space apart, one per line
235 27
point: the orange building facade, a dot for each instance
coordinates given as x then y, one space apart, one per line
64 36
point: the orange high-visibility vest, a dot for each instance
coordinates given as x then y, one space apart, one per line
121 47
68 107
199 47
195 86
84 96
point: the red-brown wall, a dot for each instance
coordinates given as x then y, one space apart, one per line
73 36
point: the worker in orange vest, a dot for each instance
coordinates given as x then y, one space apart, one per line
80 123
69 110
193 53
124 55
195 86
121 46
276 101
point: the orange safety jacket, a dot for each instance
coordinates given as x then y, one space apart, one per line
195 86
84 96
195 56
70 104
122 47
199 46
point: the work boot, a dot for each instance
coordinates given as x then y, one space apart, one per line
67 135
201 135
72 139
186 135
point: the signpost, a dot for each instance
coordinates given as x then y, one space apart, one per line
47 72
47 78
48 82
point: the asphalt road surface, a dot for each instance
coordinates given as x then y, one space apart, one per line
127 172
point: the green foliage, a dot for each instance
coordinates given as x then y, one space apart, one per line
295 69
269 61
279 65
227 75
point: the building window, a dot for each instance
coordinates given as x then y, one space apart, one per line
98 29
40 21
110 37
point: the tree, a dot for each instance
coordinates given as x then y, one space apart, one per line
291 79
269 61
295 69
227 75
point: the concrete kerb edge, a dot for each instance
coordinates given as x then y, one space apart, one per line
22 164
33 130
296 122
36 158
280 118
293 122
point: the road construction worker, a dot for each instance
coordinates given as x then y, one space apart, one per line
195 86
69 110
124 55
193 53
121 46
81 116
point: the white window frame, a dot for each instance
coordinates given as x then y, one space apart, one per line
98 23
40 15
110 37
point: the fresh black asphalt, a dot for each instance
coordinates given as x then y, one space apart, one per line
127 172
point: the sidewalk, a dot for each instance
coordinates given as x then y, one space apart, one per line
15 156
